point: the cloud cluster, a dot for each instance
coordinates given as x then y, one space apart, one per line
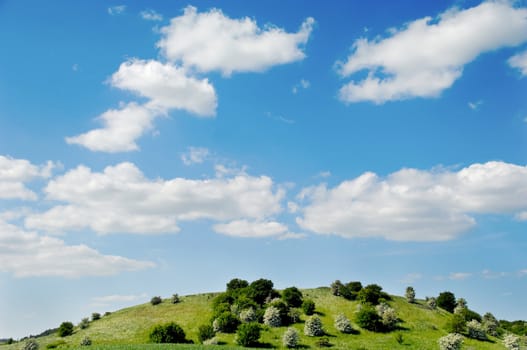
14 173
121 199
519 62
151 15
27 254
427 55
415 205
195 155
210 41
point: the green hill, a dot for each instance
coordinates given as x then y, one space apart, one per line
129 328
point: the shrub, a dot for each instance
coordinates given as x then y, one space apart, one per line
55 344
248 315
292 297
283 308
511 342
260 290
343 324
272 317
351 290
447 301
226 323
95 316
308 306
84 323
476 330
167 333
323 343
452 341
372 294
290 338
490 324
212 341
65 329
30 344
313 327
86 341
205 332
410 294
248 334
107 313
175 298
294 315
388 316
457 324
399 338
156 300
369 319
336 288
431 302
236 284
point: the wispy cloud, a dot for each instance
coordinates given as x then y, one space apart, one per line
279 118
475 105
195 155
116 10
303 84
459 276
151 15
411 277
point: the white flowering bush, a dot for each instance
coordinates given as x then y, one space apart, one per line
313 327
410 294
31 344
248 315
343 324
490 324
272 317
431 302
452 341
475 330
388 316
511 342
86 341
291 338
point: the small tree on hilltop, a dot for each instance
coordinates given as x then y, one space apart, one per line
95 316
410 294
452 341
372 294
84 323
65 329
292 297
336 288
313 327
156 300
236 284
447 301
175 298
351 290
291 338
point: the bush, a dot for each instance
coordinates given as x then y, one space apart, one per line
323 343
95 316
248 334
156 300
167 333
86 341
308 306
511 342
447 301
336 288
260 290
283 308
369 319
55 344
205 332
476 330
410 294
294 315
248 315
431 302
343 324
236 284
272 317
313 327
175 298
65 329
226 323
388 316
452 341
30 344
457 324
351 290
292 297
490 324
290 338
84 323
372 294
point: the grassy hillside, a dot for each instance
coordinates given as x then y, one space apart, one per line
128 328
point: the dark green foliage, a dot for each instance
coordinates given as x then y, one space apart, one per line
84 323
447 301
336 288
227 322
175 298
283 309
457 324
167 333
399 338
368 318
95 316
292 297
260 290
156 300
10 341
65 329
107 313
236 283
243 303
205 332
516 327
248 334
323 343
86 341
372 294
351 290
55 344
470 315
308 306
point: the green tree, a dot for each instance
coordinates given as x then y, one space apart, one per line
410 294
369 319
260 290
236 284
372 294
447 301
248 334
292 297
308 306
167 333
65 329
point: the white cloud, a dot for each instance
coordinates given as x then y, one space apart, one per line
27 254
488 274
211 41
475 105
427 55
151 15
415 205
251 229
519 62
116 10
459 276
195 155
121 199
303 84
121 128
14 173
167 86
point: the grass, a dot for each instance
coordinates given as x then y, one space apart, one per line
128 329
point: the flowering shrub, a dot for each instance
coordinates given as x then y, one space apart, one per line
431 302
452 341
343 324
290 338
294 315
511 342
31 344
490 324
272 317
410 294
86 341
313 327
476 330
248 315
388 316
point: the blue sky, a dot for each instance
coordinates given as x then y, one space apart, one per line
151 148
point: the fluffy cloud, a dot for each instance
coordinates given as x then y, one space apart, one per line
167 86
121 128
415 205
253 229
121 199
15 172
151 15
211 41
116 10
427 55
195 155
27 254
519 62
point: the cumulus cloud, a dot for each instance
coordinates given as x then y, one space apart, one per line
121 199
427 56
151 15
116 10
14 173
167 86
27 254
121 128
211 41
195 155
519 62
415 205
255 229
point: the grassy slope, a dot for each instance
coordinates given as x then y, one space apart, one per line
420 328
